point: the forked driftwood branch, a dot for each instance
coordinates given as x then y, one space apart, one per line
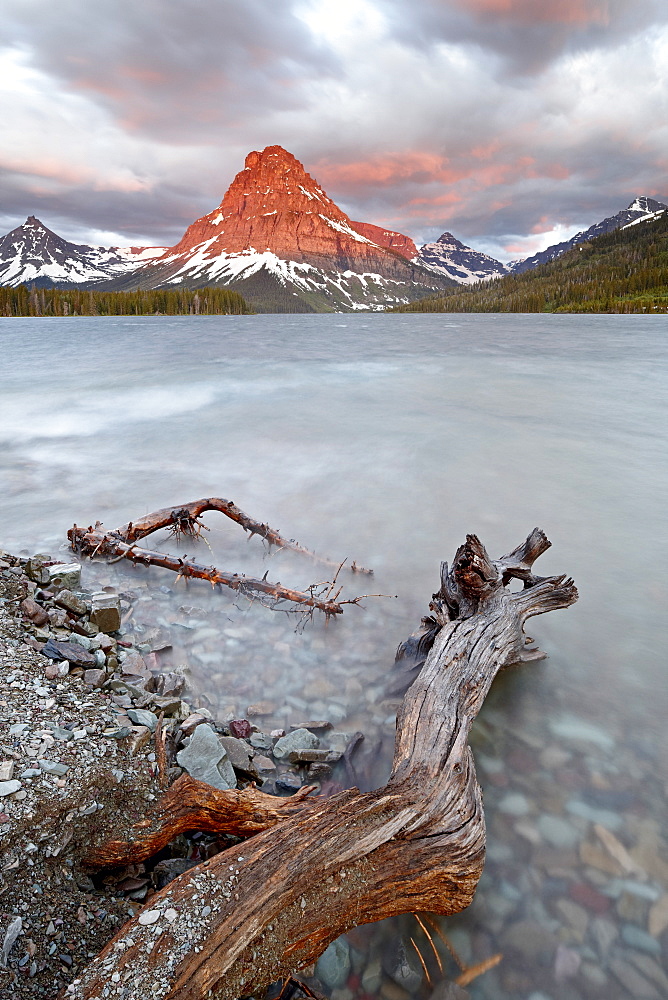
262 909
185 522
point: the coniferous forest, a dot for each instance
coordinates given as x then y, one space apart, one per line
625 271
23 301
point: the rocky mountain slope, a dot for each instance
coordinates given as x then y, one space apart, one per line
32 254
641 207
284 244
450 257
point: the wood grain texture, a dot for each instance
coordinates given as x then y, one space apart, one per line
260 910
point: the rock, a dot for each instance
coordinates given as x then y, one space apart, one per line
95 677
34 612
658 917
372 976
652 970
240 728
261 741
190 723
557 831
333 966
299 739
451 991
636 985
604 933
35 568
168 704
288 782
572 728
636 938
66 599
75 654
607 818
312 756
134 664
106 612
9 787
574 916
566 963
6 770
534 942
315 727
149 917
514 804
237 752
587 896
205 759
263 764
53 767
402 965
64 576
142 717
64 735
261 708
140 736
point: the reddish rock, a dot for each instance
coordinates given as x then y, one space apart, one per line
34 612
240 728
274 205
589 897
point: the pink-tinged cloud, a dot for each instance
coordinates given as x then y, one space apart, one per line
575 12
386 170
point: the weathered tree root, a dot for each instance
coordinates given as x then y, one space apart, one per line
190 804
184 521
256 912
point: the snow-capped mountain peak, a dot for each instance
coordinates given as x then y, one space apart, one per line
32 254
453 259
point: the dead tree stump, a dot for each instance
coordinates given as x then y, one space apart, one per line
270 906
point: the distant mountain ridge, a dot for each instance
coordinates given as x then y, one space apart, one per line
278 238
640 208
32 254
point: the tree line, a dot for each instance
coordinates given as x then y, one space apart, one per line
625 271
24 301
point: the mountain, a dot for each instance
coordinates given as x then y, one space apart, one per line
641 207
34 255
623 271
277 238
455 260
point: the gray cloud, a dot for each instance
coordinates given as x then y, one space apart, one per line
495 119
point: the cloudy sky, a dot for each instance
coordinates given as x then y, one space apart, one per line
511 123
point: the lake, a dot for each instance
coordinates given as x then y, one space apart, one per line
385 439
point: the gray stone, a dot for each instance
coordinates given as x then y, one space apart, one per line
53 767
299 739
9 787
514 804
64 576
106 612
572 728
372 976
402 965
261 741
65 735
6 770
237 752
35 568
95 677
142 717
604 934
205 758
333 966
66 599
535 943
606 818
636 938
288 782
74 653
557 831
311 756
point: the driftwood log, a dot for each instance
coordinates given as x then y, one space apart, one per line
319 866
185 522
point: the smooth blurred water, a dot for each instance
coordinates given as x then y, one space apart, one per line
384 439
